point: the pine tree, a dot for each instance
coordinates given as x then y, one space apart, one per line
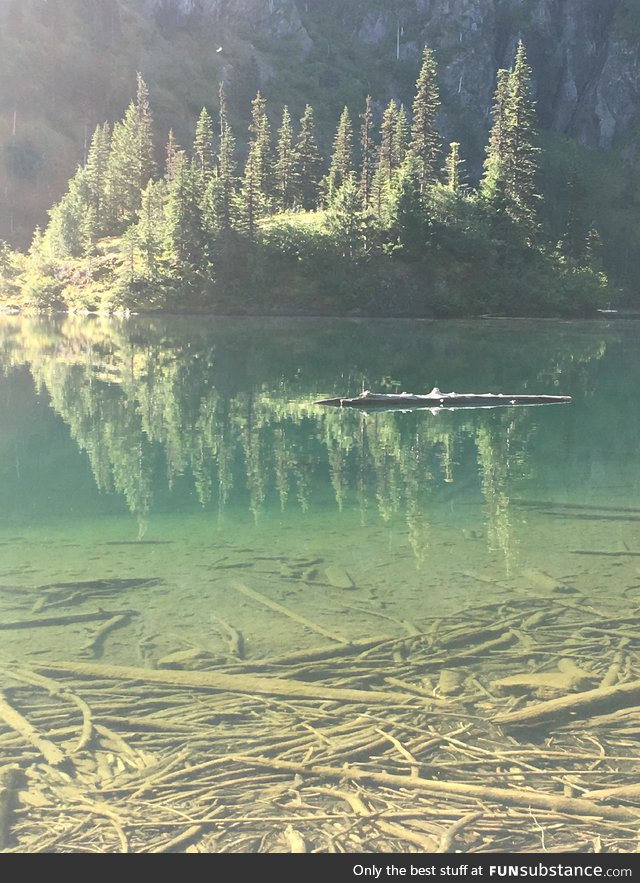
97 164
172 152
131 162
150 232
386 153
400 140
284 165
226 165
494 180
593 249
308 163
260 143
346 220
367 153
71 229
521 148
203 143
407 218
185 234
341 167
510 168
453 167
425 141
256 183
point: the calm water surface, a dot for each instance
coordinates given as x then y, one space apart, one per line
153 463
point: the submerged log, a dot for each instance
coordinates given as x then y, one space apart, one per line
228 683
438 399
517 797
578 705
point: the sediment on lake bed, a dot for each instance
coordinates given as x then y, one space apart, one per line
510 727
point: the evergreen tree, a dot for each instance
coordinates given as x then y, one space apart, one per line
71 230
425 141
341 167
226 166
284 166
131 162
308 163
172 153
252 202
593 249
367 153
494 180
400 139
521 147
260 143
386 153
453 167
150 232
203 143
345 219
255 189
407 218
97 164
185 234
508 183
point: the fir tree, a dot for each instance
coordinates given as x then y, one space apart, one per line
203 143
346 220
452 168
284 165
367 153
308 163
71 228
131 162
172 152
494 180
593 249
150 232
260 143
341 167
400 139
407 219
386 153
97 164
255 189
508 183
252 202
185 235
521 148
226 165
425 141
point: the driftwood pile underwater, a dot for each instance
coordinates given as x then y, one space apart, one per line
509 727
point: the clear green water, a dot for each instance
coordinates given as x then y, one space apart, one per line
178 470
190 451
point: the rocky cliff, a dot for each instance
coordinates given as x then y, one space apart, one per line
583 52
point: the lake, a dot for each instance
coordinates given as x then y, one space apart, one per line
174 501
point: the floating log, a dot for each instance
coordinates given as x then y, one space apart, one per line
437 399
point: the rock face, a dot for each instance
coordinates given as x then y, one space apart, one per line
586 68
276 19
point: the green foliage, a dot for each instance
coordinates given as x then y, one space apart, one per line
203 143
341 167
308 163
392 239
346 221
284 170
509 182
367 153
425 140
